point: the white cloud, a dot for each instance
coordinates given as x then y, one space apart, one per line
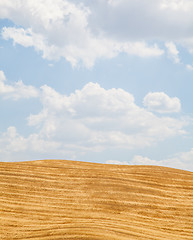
11 141
15 147
17 90
141 49
173 53
116 162
161 102
177 5
189 67
91 119
149 19
52 27
140 160
56 24
182 160
95 117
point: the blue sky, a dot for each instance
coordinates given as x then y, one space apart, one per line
103 81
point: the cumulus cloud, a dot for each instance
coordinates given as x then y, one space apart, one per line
173 53
177 5
161 102
161 20
11 140
17 90
90 119
98 118
182 160
104 28
134 19
140 160
15 147
117 162
52 27
189 67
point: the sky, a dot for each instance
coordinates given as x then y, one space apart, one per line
107 81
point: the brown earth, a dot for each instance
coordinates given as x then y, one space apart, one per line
54 199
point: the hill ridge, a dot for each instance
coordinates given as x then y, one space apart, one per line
61 199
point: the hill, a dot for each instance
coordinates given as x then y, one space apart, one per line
55 199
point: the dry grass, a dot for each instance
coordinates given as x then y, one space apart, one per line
75 200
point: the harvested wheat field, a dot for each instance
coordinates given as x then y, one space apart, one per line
54 199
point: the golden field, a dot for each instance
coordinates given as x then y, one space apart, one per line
55 199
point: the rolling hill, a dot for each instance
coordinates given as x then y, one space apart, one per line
55 199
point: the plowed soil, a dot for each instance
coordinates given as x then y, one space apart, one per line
55 199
